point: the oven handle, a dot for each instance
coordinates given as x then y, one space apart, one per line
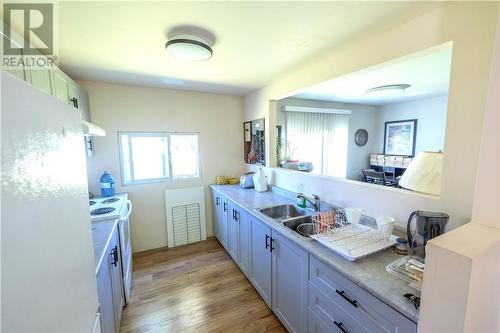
129 208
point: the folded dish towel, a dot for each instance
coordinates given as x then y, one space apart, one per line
326 220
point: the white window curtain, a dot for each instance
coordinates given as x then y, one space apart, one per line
320 138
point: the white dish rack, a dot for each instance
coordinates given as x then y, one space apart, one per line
341 232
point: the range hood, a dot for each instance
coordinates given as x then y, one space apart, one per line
90 129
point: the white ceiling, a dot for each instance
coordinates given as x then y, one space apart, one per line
428 73
256 42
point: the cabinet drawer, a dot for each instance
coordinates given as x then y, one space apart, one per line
361 305
316 324
331 314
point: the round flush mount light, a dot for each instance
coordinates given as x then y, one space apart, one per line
188 47
388 90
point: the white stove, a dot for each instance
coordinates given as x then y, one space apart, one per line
108 208
117 207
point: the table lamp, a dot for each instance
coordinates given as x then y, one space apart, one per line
424 173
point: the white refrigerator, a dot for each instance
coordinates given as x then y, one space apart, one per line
48 281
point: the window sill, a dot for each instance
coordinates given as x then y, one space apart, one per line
161 180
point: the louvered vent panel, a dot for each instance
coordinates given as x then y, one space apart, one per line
185 212
193 223
186 223
180 225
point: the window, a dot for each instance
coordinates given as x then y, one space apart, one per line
319 138
151 157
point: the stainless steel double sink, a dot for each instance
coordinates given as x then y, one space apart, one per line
288 215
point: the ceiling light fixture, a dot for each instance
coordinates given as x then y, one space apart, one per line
389 90
188 47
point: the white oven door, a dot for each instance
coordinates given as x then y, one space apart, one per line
126 249
126 243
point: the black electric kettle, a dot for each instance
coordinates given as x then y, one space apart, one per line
423 226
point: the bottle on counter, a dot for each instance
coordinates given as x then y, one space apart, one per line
107 184
301 201
260 181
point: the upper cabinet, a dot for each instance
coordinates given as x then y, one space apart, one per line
54 81
61 85
41 77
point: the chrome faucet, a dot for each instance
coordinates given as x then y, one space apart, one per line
314 200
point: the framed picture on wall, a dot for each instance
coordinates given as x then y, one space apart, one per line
400 137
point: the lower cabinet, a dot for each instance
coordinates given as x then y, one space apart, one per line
216 204
304 293
318 325
260 258
110 287
233 227
279 272
244 241
351 307
290 267
223 225
105 293
331 314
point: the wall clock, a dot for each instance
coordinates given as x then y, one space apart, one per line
361 137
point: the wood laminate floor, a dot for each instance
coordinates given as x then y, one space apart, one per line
194 288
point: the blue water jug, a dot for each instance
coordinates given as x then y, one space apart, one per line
107 185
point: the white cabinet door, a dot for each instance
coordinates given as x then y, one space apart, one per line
260 245
224 219
105 292
290 294
234 231
84 104
19 70
42 79
61 85
110 287
244 242
117 279
216 204
74 96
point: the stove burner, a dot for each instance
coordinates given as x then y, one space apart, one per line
91 202
110 200
103 210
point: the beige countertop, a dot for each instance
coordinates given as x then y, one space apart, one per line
101 233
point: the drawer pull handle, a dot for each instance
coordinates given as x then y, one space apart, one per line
114 255
347 298
341 327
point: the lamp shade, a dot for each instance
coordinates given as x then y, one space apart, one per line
424 173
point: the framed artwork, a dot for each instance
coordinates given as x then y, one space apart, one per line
254 142
400 137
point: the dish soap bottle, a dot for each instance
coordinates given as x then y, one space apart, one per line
301 201
107 184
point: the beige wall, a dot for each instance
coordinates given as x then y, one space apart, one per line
470 26
130 108
472 297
